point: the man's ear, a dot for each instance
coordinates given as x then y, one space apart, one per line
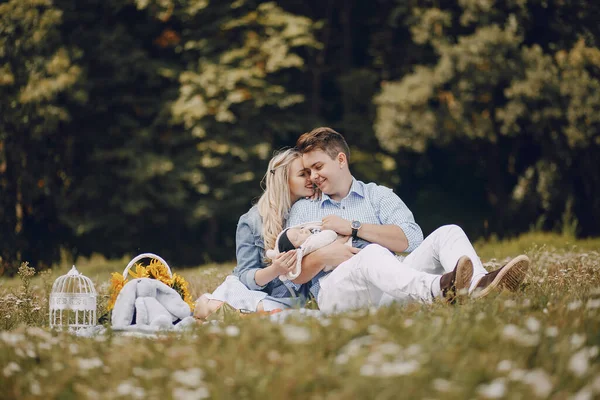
342 159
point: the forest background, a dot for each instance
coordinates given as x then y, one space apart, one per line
146 125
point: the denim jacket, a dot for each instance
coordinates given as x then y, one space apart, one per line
250 254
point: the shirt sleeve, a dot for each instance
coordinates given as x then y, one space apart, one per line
393 211
248 255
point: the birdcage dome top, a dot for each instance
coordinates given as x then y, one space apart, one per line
73 283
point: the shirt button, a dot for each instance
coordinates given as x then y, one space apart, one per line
343 207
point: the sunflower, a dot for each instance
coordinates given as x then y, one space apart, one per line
140 271
181 286
116 284
157 270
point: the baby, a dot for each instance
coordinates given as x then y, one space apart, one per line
306 239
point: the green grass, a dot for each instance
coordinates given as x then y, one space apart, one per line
542 342
532 242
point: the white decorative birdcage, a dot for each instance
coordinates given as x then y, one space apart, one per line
73 302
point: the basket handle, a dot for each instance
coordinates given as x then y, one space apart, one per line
146 255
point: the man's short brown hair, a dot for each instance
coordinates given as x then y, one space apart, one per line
325 139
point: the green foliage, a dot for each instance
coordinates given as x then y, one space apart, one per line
146 125
524 111
29 308
187 123
38 77
121 168
233 101
28 304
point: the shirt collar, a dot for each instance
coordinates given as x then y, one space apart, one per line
356 187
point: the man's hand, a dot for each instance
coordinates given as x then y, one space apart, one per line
337 252
338 224
331 255
343 239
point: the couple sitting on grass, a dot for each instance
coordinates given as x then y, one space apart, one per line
339 277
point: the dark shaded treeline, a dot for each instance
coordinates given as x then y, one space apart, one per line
130 126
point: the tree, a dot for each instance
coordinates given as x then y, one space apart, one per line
177 138
125 194
522 112
38 76
236 102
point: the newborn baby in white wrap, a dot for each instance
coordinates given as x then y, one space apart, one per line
306 238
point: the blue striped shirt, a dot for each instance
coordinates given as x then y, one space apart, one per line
368 203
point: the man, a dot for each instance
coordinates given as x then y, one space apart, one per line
371 213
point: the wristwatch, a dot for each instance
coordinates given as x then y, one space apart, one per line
355 227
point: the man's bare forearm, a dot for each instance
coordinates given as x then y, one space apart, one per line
331 255
389 236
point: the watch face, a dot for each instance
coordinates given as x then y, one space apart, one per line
355 224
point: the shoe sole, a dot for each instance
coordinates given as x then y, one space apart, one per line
510 277
464 274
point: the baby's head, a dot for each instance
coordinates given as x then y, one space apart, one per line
292 238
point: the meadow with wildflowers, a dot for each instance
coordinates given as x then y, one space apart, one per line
543 342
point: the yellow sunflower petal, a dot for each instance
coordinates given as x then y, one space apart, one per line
138 271
116 284
158 271
181 286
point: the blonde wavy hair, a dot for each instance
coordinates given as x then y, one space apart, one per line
275 203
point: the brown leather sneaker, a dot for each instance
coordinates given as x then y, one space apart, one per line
454 283
508 277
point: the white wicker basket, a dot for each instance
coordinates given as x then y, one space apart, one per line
141 257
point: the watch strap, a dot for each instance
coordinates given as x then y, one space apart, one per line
355 230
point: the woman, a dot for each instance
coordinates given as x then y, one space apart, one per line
254 285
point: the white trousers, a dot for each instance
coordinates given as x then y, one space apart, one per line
441 250
375 277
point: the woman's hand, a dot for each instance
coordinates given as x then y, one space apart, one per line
281 265
316 195
284 262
